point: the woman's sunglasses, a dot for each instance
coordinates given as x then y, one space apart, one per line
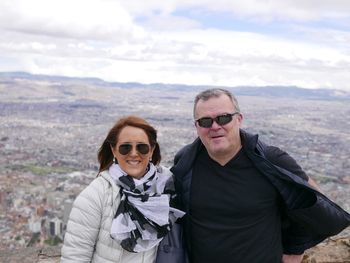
207 122
126 148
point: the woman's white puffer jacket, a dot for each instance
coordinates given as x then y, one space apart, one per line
87 238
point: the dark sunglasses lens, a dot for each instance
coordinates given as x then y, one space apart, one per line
223 119
124 149
205 122
142 148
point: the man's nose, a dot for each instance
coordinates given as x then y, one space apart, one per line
215 126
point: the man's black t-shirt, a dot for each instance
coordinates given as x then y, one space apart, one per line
234 213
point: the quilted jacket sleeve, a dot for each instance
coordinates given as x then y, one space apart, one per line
84 224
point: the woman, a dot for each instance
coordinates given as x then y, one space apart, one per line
124 213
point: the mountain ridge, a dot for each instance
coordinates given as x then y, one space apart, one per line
265 91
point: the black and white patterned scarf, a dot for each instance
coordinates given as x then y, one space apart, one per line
144 215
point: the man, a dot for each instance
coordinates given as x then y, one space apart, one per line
246 202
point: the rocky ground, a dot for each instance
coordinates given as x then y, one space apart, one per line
330 251
333 250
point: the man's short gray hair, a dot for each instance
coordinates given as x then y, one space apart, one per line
214 93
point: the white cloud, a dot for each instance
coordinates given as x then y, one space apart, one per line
170 22
146 41
88 19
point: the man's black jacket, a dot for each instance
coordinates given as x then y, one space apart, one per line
309 217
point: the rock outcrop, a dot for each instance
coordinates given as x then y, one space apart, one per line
333 250
330 251
32 255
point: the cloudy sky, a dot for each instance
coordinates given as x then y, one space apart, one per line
206 42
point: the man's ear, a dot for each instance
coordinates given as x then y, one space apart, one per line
240 118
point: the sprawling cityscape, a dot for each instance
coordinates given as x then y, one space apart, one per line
51 130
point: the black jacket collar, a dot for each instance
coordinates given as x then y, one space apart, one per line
185 158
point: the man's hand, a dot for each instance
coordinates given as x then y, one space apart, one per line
292 258
314 184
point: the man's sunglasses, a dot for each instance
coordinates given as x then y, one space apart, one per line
126 148
207 122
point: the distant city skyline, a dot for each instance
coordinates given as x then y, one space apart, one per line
222 42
